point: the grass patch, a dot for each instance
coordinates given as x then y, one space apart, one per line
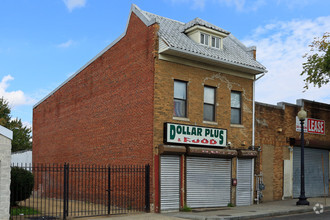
186 208
17 210
230 205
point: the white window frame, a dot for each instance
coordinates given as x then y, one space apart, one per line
212 104
204 39
217 42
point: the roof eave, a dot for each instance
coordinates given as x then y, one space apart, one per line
213 61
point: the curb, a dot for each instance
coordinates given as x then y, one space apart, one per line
252 216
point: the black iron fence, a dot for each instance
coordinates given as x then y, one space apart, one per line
61 191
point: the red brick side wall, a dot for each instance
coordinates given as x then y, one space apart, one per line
104 115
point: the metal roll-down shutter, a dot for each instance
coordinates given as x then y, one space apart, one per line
208 182
170 182
315 185
244 182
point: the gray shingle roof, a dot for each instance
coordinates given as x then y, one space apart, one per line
201 22
233 52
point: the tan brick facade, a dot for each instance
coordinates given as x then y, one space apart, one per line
239 135
197 78
275 126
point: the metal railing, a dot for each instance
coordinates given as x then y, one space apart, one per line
62 191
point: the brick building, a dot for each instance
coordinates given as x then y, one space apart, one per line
278 135
178 96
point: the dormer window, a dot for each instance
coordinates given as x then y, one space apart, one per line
215 42
208 36
210 40
205 39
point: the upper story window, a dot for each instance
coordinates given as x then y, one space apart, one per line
180 99
209 103
205 39
215 42
236 109
210 40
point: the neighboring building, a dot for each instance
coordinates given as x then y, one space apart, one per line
178 96
278 135
6 136
22 157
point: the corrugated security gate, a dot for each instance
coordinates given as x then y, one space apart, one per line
244 182
315 185
169 182
208 182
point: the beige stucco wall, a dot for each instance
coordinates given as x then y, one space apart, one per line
5 158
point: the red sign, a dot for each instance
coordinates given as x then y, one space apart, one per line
311 125
315 126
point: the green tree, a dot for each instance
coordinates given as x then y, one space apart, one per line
4 112
317 67
21 134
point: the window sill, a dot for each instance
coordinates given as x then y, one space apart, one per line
210 122
236 126
180 119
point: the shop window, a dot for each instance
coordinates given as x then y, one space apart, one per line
180 99
236 110
209 103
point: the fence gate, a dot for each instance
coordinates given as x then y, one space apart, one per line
62 191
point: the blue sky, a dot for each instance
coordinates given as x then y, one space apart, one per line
43 42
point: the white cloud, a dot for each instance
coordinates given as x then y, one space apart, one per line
243 5
280 47
198 4
65 44
240 5
195 4
27 124
294 4
15 98
72 4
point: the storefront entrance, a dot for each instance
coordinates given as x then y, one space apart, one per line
169 182
244 182
208 182
316 175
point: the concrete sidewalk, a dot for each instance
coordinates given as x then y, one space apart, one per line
266 209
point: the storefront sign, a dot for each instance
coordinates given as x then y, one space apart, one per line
195 135
313 126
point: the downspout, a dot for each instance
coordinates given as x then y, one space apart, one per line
253 110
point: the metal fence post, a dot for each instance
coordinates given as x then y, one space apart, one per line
147 188
65 190
109 181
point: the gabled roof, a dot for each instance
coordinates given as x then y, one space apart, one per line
234 53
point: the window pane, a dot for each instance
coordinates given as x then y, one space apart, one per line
235 100
179 108
217 43
180 90
209 94
206 39
235 116
208 112
202 38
